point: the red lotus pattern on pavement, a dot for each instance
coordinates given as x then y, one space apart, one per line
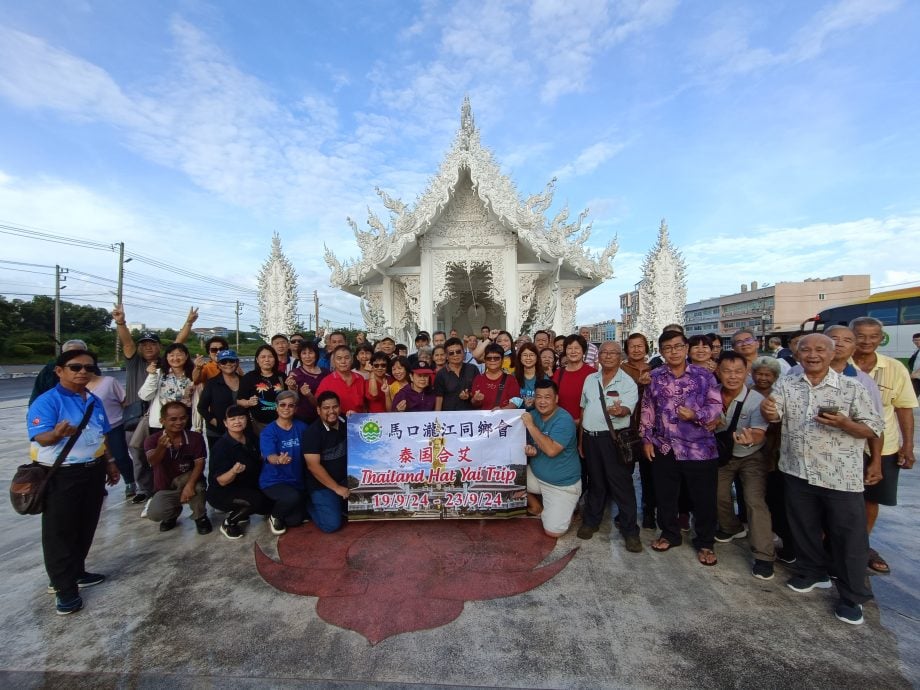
385 578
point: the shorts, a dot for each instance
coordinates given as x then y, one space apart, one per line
886 491
558 502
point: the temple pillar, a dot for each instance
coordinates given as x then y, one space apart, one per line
426 291
512 291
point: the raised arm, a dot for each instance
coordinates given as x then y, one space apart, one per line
124 335
183 334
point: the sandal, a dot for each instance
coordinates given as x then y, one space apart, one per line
877 564
706 557
661 545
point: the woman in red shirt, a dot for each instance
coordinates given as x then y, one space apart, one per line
570 379
493 389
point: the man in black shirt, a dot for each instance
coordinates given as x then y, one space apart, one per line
453 382
324 447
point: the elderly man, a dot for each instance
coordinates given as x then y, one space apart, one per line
554 470
453 382
898 403
680 408
47 379
826 419
745 431
334 340
608 398
542 340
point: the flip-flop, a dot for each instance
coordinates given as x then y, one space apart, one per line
877 564
704 552
661 545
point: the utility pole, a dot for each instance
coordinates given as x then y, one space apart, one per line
119 296
238 306
59 277
316 308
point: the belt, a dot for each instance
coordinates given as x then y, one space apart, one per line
80 465
605 432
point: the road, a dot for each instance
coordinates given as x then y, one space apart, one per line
20 388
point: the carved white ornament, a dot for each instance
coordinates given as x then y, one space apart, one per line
470 211
663 290
277 294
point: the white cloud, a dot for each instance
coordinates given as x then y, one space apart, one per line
590 159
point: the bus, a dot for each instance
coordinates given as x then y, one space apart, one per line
898 310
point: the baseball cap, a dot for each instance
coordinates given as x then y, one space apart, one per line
150 336
422 335
422 368
224 355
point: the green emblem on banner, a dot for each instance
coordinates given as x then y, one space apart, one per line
370 431
885 339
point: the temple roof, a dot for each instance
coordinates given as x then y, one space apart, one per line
557 241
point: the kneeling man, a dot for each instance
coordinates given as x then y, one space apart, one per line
554 470
324 447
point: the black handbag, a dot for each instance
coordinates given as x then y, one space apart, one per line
27 490
725 440
626 440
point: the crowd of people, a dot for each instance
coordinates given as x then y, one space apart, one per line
795 450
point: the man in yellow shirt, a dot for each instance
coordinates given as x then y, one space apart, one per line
898 403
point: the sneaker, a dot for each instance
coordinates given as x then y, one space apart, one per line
725 537
167 525
51 589
634 544
586 532
146 507
203 525
848 612
139 498
65 608
231 530
130 490
787 556
762 570
277 525
802 583
236 518
90 580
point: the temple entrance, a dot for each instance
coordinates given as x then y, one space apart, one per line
470 305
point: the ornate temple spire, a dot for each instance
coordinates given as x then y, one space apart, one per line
277 294
663 289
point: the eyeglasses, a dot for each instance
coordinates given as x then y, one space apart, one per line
673 348
76 368
286 405
455 352
744 341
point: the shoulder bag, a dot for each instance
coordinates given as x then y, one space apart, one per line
27 490
626 440
725 440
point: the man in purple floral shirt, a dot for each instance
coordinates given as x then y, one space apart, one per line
680 408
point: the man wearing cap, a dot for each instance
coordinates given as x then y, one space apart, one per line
421 340
137 358
47 379
417 396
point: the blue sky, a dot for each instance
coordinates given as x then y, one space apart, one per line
779 140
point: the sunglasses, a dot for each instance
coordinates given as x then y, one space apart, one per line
298 341
492 358
76 368
455 352
216 349
379 365
229 361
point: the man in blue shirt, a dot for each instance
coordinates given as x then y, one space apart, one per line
73 498
554 470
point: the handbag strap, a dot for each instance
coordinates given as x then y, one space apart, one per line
600 392
72 441
501 388
735 417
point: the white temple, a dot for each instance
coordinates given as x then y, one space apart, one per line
277 294
663 289
471 252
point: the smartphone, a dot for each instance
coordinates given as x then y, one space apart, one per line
828 409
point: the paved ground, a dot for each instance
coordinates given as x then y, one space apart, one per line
189 611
